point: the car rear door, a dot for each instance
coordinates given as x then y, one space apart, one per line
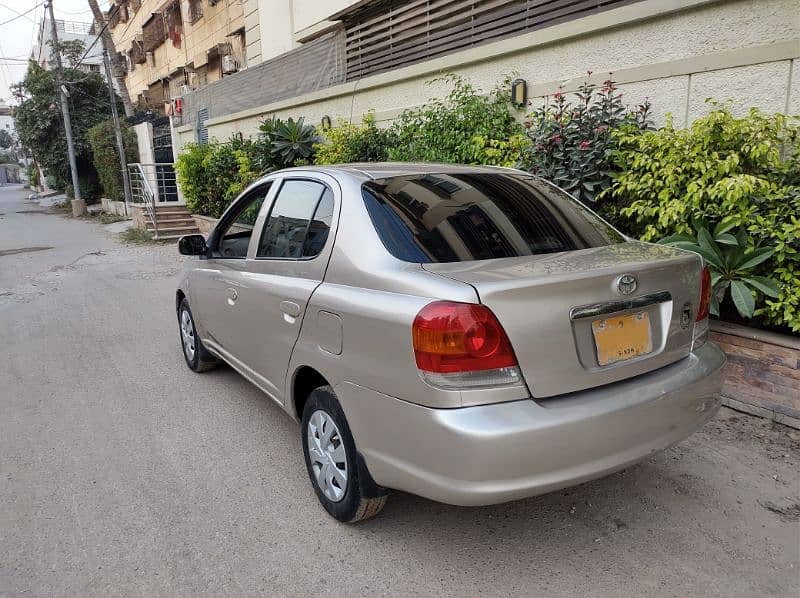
286 264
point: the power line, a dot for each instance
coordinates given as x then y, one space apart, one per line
20 14
89 49
16 12
99 35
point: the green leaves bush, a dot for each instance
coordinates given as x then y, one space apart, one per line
572 137
285 143
733 261
39 124
106 159
211 175
465 127
743 172
347 142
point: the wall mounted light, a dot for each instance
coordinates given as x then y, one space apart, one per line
326 122
519 92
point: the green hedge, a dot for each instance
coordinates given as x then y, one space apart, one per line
741 172
737 175
106 159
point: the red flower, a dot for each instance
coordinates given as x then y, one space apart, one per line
584 145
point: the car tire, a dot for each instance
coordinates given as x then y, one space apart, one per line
194 352
347 491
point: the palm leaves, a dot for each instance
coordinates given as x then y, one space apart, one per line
289 142
732 261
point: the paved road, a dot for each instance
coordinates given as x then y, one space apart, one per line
123 473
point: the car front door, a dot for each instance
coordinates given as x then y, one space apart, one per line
219 283
289 262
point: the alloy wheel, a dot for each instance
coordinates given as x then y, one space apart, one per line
187 334
327 455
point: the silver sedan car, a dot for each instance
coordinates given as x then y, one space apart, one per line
467 334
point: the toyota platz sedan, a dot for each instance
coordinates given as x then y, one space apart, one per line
471 335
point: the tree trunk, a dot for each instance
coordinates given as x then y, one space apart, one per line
117 69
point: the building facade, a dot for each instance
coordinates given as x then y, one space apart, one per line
174 47
347 58
68 31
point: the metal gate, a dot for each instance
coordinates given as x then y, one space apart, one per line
162 151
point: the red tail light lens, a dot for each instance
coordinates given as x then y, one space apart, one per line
460 337
705 294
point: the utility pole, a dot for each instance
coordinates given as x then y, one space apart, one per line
78 205
123 162
116 63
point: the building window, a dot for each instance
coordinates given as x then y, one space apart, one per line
137 53
195 10
202 130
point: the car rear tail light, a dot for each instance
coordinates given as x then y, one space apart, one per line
703 309
462 345
705 294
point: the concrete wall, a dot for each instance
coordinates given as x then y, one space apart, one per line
252 31
144 142
676 52
308 13
276 27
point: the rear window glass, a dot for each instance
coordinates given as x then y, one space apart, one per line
464 217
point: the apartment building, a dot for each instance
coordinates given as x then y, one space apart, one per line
68 31
340 58
173 47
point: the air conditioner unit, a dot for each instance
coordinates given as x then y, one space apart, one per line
229 64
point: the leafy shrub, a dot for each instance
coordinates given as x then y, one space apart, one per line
347 142
33 174
211 175
733 261
572 138
466 127
743 171
286 142
106 159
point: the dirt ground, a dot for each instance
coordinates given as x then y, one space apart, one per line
122 473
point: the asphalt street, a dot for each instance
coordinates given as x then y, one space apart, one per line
122 473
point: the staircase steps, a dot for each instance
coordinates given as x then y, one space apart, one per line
173 222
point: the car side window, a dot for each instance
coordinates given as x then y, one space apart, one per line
299 221
235 239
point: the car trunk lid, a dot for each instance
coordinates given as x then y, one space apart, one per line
572 327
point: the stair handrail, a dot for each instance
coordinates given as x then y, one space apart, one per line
144 191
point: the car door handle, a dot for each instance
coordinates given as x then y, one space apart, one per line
233 295
290 308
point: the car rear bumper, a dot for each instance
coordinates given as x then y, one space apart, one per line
495 453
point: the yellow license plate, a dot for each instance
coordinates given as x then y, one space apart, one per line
622 337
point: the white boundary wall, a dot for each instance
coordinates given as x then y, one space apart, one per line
676 52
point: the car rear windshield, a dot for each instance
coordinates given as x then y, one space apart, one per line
459 217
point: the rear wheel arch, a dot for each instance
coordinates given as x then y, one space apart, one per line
304 381
179 297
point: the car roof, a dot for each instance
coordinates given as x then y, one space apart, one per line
381 170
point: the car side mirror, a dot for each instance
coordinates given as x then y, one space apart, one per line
192 245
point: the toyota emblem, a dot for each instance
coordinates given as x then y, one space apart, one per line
627 284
